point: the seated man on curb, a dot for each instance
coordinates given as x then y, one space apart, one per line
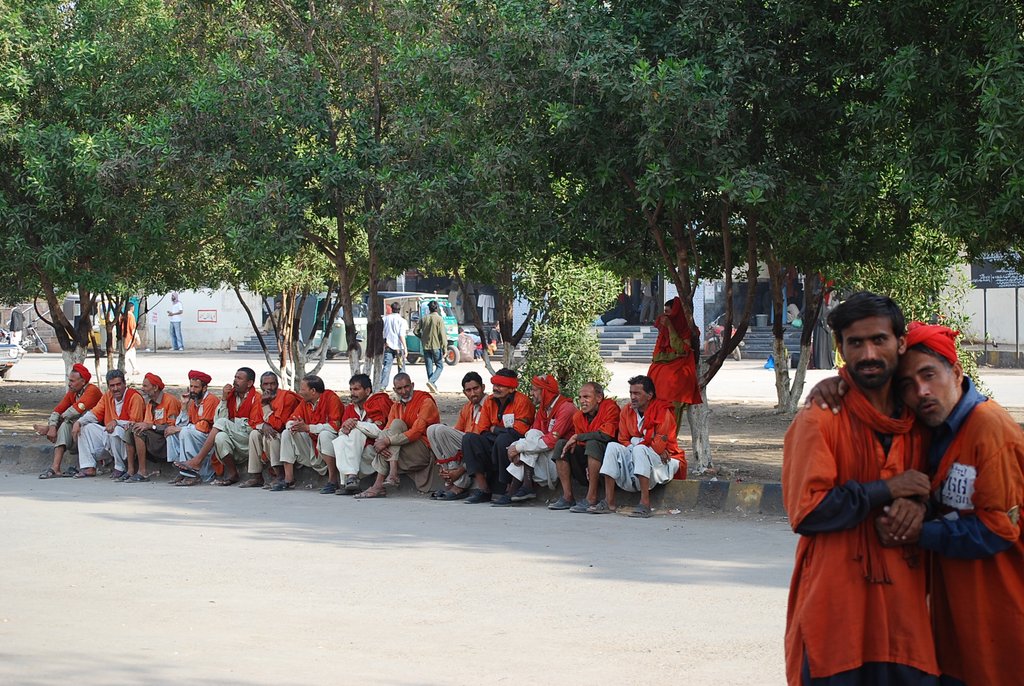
446 441
402 446
506 416
276 407
81 397
350 455
311 428
186 438
104 428
533 456
594 426
239 410
647 454
162 411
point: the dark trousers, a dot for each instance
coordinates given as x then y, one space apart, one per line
487 453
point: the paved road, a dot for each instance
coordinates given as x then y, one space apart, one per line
745 381
146 584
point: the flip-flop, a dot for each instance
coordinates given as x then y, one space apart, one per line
641 512
50 474
82 474
137 479
392 483
225 482
370 493
251 483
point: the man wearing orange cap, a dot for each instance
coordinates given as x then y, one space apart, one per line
532 457
162 411
506 416
647 453
186 438
594 426
976 462
81 397
104 428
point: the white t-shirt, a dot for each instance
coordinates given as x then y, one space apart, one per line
176 309
395 331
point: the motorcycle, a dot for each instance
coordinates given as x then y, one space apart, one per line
714 337
10 353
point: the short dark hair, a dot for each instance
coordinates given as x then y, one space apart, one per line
646 383
861 306
314 382
472 376
922 348
598 388
432 306
506 372
396 307
115 374
249 373
362 380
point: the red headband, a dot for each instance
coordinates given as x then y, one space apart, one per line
546 382
940 339
507 381
82 370
155 380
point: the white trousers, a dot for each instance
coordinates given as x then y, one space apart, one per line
624 463
94 441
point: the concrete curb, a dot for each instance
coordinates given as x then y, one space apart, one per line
733 497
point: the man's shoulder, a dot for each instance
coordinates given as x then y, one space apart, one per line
989 419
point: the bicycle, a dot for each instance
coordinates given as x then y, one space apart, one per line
713 339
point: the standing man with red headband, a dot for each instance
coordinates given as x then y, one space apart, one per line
162 410
186 438
674 366
506 416
532 457
976 462
81 397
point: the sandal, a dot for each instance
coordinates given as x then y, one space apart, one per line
189 481
283 486
251 483
87 473
137 479
601 507
117 474
50 474
641 512
125 476
392 483
371 493
225 482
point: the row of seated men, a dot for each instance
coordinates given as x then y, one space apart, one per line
502 447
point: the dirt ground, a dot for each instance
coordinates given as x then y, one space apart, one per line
746 438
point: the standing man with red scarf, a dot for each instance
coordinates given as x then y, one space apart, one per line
857 612
674 366
647 453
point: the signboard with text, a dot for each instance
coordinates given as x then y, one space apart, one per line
988 273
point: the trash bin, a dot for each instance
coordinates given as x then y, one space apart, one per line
761 320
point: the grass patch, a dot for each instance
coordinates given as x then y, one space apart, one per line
13 408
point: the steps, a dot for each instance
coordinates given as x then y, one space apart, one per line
252 344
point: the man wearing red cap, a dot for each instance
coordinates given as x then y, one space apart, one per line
647 453
532 457
402 446
594 426
104 428
162 411
277 405
313 425
186 438
976 462
81 397
506 416
857 611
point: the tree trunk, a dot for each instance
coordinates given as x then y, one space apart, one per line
699 418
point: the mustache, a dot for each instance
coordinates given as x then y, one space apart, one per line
870 364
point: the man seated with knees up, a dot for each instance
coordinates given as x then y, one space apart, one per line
446 441
506 416
239 411
402 446
277 405
162 410
186 438
81 397
104 428
533 456
311 428
647 453
595 425
350 455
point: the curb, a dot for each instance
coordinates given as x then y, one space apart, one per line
734 497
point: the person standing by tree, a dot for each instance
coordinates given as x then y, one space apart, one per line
674 366
395 331
432 335
174 313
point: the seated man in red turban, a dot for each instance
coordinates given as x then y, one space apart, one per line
81 397
162 410
186 438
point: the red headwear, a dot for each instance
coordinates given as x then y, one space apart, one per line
83 371
507 381
548 386
155 380
940 339
202 376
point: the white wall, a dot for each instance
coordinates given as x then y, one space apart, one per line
212 320
1001 317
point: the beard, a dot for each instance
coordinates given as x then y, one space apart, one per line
861 373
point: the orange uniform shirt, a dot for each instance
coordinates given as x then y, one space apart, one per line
658 432
419 413
202 415
328 410
250 408
282 407
133 409
164 412
467 422
90 395
520 409
605 420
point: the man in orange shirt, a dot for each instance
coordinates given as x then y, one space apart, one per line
402 446
186 438
506 416
312 426
446 441
277 405
350 455
104 428
81 397
162 411
647 453
594 425
857 611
